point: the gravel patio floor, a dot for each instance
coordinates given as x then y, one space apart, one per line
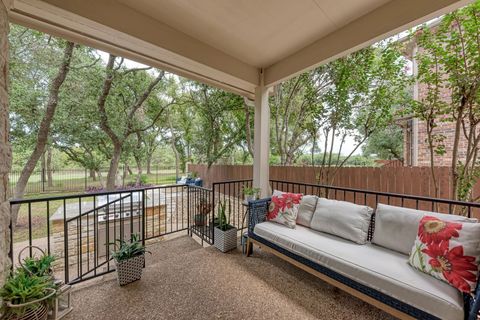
183 280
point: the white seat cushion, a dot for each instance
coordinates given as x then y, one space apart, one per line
384 270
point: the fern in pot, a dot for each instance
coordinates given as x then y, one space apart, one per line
225 234
129 257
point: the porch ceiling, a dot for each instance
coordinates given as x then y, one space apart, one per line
227 42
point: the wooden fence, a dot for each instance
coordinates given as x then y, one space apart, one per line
405 180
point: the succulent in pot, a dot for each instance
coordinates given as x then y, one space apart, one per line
41 266
225 235
30 289
26 296
129 257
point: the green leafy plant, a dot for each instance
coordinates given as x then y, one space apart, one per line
125 250
22 287
38 266
251 191
223 217
143 179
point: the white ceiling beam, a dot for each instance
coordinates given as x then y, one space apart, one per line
116 28
387 20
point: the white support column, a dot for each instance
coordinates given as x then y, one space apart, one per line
261 140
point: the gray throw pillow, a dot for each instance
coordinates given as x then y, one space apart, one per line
306 210
343 219
396 228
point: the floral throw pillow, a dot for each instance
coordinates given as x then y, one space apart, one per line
448 251
284 208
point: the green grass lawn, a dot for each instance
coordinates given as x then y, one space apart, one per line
40 217
75 181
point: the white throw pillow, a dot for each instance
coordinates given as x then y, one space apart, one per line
343 219
396 227
283 208
306 209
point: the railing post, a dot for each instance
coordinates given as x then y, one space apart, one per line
143 216
213 214
10 251
188 210
65 241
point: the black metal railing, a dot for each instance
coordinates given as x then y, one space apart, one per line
80 229
372 198
232 194
201 213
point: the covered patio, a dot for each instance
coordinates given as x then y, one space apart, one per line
243 47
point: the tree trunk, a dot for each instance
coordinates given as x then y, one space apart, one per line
137 156
92 175
112 171
43 169
248 131
44 129
456 142
49 167
174 147
139 169
100 177
5 148
149 164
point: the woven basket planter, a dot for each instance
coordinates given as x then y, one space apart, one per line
225 240
130 270
38 311
34 310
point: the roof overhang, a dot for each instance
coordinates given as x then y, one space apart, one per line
122 29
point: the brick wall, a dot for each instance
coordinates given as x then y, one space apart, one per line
447 129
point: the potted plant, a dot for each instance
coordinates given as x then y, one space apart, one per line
225 235
41 266
129 259
204 207
26 296
250 194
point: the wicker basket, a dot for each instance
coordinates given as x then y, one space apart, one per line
130 270
225 240
34 310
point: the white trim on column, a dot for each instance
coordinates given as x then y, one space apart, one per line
261 174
